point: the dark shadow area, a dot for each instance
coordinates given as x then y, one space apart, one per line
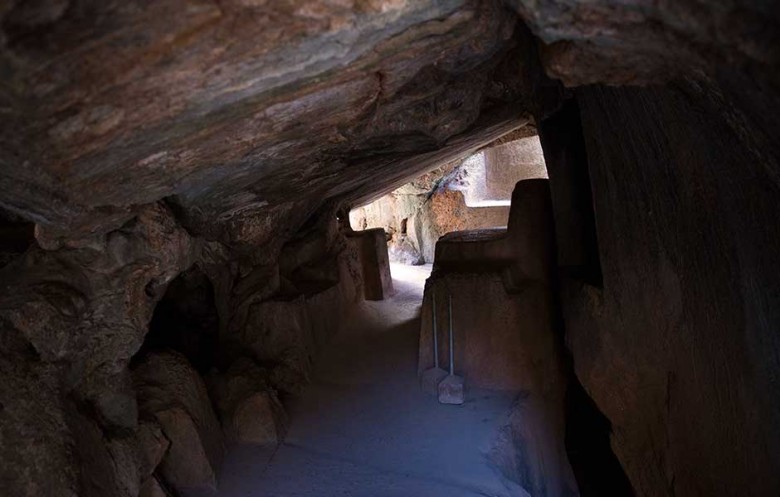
16 236
186 320
596 468
570 186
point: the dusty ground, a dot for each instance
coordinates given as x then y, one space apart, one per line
364 429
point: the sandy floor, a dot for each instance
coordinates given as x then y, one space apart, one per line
363 428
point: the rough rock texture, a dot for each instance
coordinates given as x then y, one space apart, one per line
280 331
71 319
281 313
248 407
116 105
619 42
445 212
171 392
677 343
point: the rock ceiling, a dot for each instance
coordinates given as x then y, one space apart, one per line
233 109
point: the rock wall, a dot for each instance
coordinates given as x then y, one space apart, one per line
73 324
675 338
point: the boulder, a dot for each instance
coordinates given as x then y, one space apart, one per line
529 450
248 406
288 378
171 392
153 488
186 466
153 445
279 331
331 305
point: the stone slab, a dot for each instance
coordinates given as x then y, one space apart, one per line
430 379
452 390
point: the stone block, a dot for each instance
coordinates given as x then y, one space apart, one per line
499 337
375 262
430 379
452 390
248 407
173 393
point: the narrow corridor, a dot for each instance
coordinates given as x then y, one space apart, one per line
364 428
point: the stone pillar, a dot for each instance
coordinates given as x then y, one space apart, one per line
531 232
375 263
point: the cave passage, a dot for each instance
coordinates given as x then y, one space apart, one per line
363 423
389 248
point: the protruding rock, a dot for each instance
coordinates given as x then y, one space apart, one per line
258 419
530 451
173 393
280 329
248 407
186 466
153 488
153 444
